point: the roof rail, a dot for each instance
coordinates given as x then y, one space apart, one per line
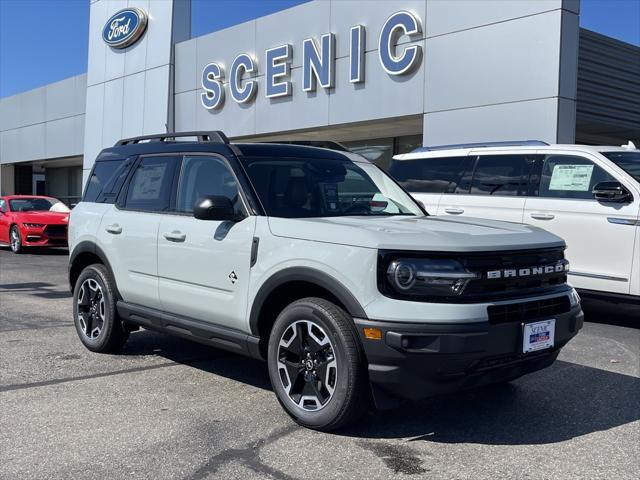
509 143
216 136
330 144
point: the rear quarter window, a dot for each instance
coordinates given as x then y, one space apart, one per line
427 175
106 180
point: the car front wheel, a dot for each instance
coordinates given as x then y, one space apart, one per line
317 366
15 240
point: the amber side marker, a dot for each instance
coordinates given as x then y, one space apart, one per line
373 333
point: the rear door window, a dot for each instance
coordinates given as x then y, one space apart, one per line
428 175
503 175
151 185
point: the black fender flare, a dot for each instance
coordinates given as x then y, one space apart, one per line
90 247
304 274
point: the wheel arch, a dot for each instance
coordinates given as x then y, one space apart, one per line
84 254
288 285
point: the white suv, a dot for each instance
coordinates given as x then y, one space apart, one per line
316 261
589 196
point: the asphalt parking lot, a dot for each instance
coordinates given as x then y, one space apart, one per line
166 408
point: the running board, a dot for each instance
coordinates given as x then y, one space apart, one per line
203 332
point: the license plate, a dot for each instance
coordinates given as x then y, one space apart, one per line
538 335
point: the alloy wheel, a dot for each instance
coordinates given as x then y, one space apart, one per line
307 365
15 239
91 308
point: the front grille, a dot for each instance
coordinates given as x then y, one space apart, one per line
57 241
56 230
522 311
492 288
510 359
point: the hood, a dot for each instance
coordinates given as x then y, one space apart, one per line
42 217
417 233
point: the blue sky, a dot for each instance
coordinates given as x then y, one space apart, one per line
42 41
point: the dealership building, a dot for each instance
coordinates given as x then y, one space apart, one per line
381 77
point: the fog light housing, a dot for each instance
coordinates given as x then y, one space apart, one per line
574 298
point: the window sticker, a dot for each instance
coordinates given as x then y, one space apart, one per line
331 196
148 182
575 178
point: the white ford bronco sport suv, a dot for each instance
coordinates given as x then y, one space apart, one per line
316 261
587 195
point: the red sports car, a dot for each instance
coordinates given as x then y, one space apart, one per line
33 221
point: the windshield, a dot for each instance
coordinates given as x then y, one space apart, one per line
628 161
310 187
37 205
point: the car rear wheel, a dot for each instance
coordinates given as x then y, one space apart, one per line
317 366
15 240
94 311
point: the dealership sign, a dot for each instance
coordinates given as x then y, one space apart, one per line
124 28
318 63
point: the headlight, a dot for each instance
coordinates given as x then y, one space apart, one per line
425 277
33 225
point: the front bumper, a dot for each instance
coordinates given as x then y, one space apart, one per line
413 361
45 236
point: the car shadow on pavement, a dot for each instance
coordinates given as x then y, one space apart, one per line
564 401
212 360
557 404
38 289
52 251
600 311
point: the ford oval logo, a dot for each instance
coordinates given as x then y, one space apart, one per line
124 28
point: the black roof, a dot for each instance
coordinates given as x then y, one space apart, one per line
122 151
284 150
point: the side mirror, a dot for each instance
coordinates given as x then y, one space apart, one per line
215 207
612 192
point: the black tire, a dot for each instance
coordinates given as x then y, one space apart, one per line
350 397
111 335
15 239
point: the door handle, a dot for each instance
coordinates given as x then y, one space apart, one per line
543 216
175 236
454 211
115 229
623 221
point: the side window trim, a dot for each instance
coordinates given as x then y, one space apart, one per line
452 188
535 175
465 177
125 186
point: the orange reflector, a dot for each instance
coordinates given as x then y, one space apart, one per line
373 333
